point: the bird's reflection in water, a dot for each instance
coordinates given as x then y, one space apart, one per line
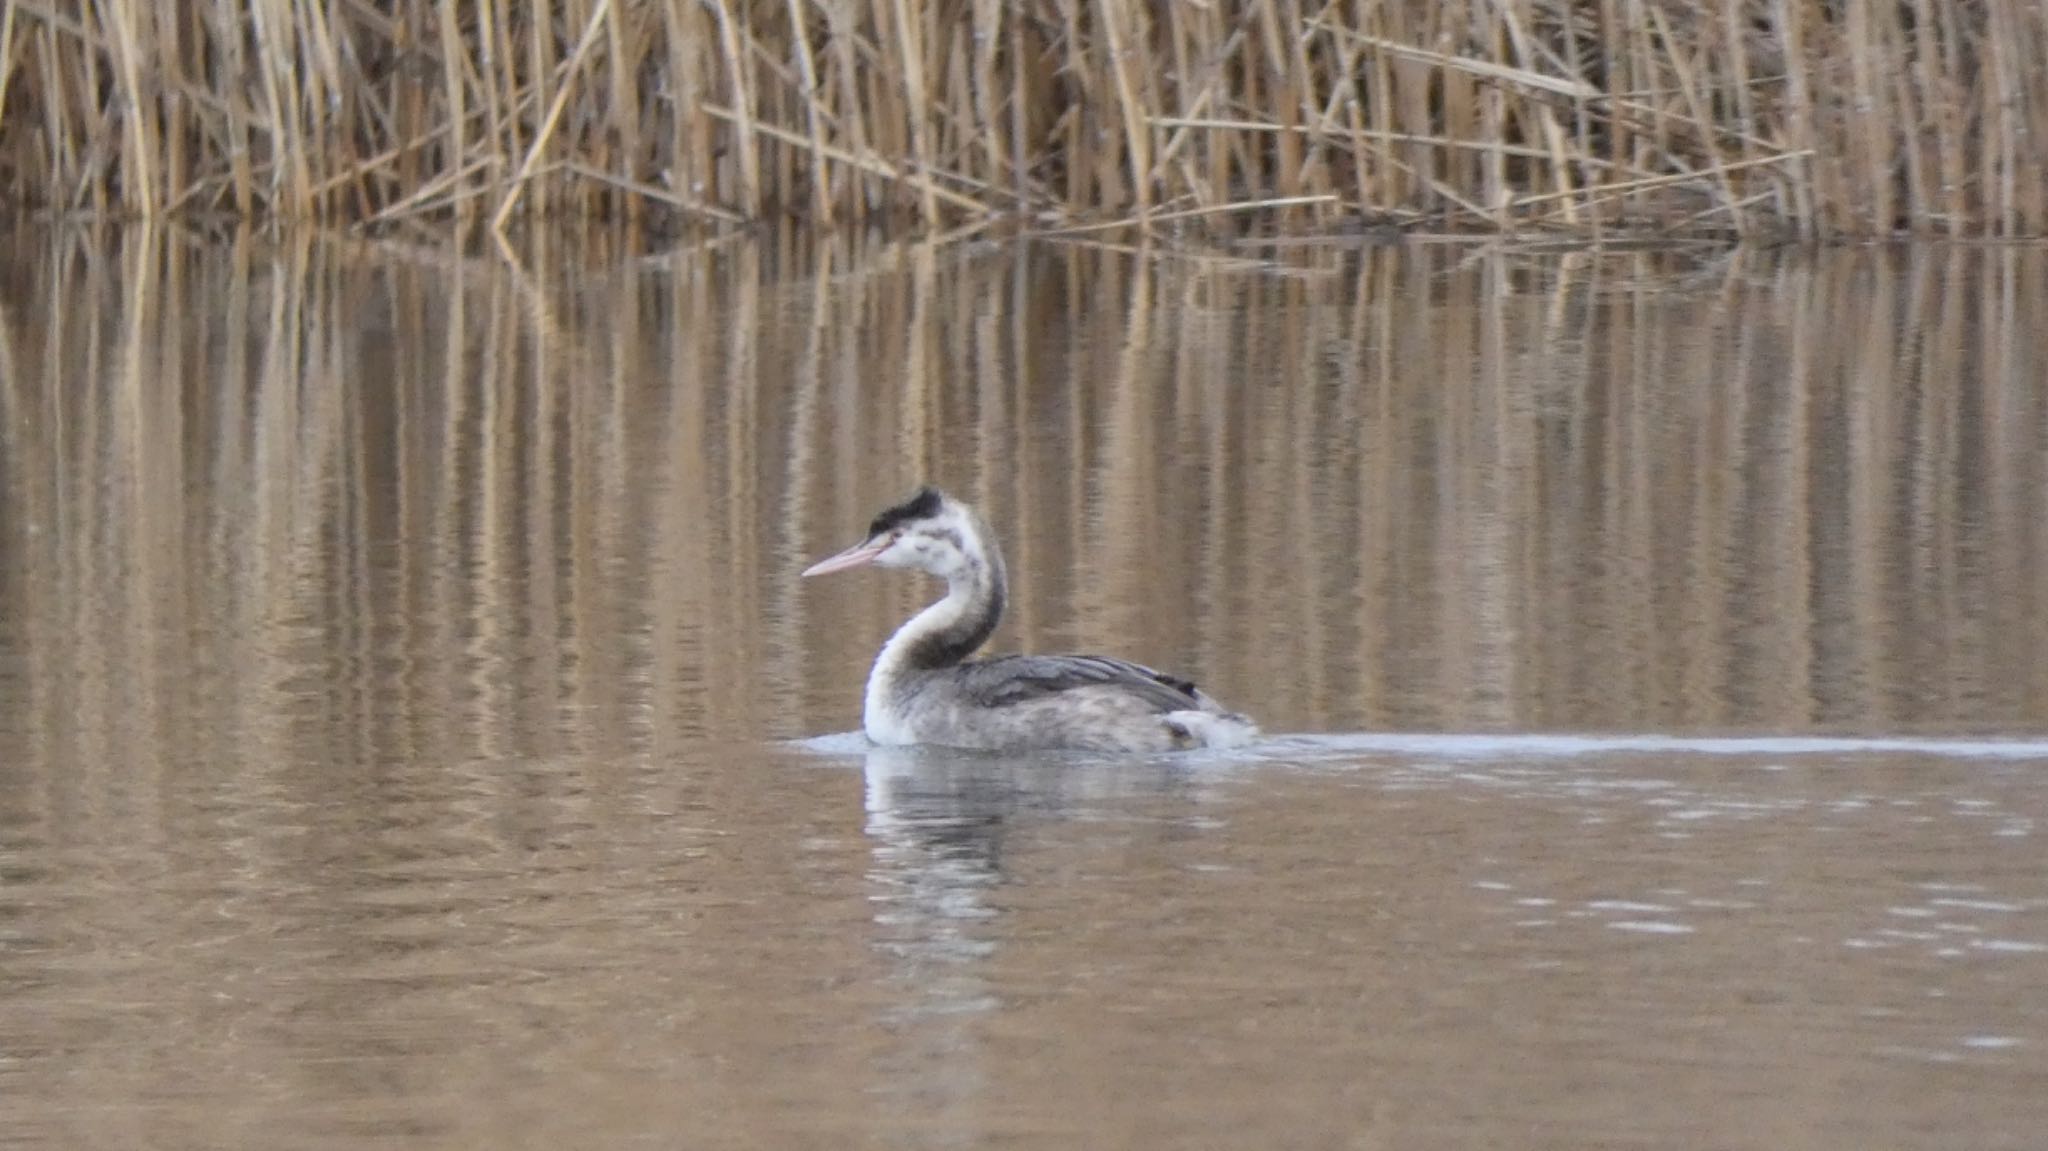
943 826
937 823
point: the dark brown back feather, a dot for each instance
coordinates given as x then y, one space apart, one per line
1014 679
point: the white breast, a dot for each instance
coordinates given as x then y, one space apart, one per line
884 726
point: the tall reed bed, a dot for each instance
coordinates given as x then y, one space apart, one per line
1809 118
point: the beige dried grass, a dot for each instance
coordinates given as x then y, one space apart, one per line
1765 118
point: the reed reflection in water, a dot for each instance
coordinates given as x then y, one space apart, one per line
1430 490
389 643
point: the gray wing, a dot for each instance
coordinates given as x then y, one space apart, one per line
1013 679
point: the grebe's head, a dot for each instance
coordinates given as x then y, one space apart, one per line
931 531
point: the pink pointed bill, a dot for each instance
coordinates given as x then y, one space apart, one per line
859 555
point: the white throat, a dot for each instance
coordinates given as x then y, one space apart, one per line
882 712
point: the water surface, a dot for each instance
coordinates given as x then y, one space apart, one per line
412 730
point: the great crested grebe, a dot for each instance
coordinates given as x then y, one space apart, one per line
924 689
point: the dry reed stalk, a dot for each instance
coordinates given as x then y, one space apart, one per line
1446 142
570 70
740 97
1799 126
1145 218
910 45
873 165
1601 192
9 27
1702 124
821 187
1868 150
1137 135
1760 117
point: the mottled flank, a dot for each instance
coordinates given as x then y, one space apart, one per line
922 505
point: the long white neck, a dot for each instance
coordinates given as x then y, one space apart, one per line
942 635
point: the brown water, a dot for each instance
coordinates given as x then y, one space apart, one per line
405 692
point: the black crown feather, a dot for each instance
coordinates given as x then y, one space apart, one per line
923 504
